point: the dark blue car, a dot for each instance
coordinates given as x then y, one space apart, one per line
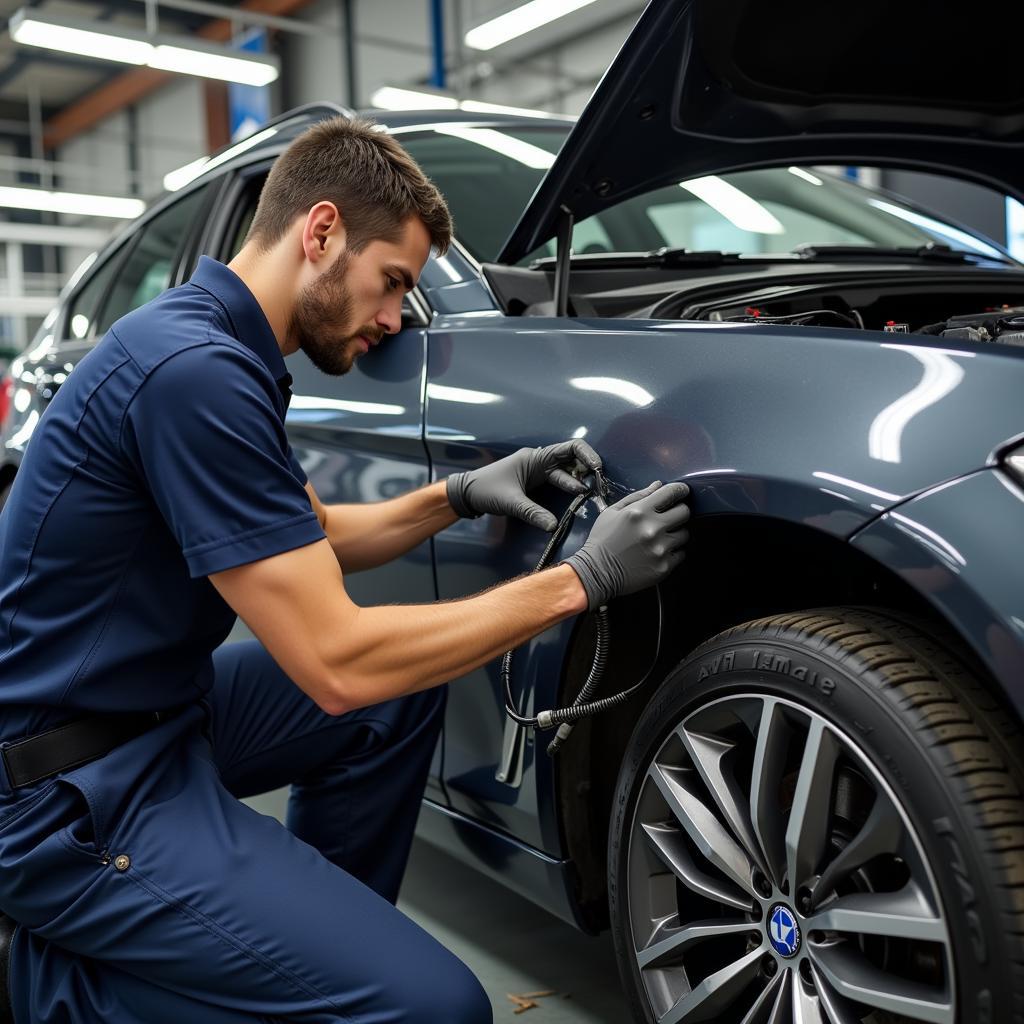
814 808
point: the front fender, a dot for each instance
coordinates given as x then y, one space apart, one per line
959 546
821 427
812 423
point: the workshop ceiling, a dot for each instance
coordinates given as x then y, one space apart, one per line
62 78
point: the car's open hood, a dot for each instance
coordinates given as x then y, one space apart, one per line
707 86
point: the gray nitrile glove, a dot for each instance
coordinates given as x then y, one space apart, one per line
634 543
501 487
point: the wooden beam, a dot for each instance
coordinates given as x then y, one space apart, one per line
133 85
218 127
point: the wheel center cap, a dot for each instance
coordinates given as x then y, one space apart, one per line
783 930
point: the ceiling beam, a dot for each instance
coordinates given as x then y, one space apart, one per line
131 86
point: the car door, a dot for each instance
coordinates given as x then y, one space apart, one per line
492 389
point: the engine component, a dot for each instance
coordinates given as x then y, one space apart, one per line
810 318
1005 326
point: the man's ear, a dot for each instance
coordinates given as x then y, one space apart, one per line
323 234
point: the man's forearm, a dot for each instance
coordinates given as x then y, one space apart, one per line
367 535
393 650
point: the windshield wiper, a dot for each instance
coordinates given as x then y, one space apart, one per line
664 257
932 251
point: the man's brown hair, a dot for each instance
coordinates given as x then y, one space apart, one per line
369 177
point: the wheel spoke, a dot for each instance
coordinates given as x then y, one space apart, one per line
711 756
806 1005
773 736
903 914
852 977
702 826
772 1005
708 999
667 941
839 1011
807 831
882 832
670 847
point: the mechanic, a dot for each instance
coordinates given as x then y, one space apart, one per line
158 500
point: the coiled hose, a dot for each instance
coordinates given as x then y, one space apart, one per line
582 706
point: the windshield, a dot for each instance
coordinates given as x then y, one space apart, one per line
488 175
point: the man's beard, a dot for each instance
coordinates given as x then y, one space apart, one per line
322 311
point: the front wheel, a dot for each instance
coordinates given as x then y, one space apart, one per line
819 818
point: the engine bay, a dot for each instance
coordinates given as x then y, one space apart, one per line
972 305
956 314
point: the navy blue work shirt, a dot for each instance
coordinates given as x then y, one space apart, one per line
162 459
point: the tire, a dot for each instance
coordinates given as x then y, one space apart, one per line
850 750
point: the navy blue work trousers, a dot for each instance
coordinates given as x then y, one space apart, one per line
147 893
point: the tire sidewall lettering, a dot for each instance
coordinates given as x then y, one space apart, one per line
858 706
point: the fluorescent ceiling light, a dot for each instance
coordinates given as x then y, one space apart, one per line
189 60
32 31
520 21
70 202
525 152
735 206
180 177
183 55
390 98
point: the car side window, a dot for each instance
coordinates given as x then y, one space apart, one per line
82 310
147 270
244 210
242 228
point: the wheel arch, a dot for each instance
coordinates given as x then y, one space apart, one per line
742 568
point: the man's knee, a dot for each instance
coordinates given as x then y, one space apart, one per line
450 993
465 1000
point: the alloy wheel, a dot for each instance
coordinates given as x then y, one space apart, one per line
773 877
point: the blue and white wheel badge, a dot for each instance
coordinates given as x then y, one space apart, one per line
783 931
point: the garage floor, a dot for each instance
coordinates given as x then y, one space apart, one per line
511 945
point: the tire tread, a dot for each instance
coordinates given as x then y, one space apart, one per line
934 686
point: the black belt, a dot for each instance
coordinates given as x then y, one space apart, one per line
75 743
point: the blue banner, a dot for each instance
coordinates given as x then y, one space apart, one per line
248 105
